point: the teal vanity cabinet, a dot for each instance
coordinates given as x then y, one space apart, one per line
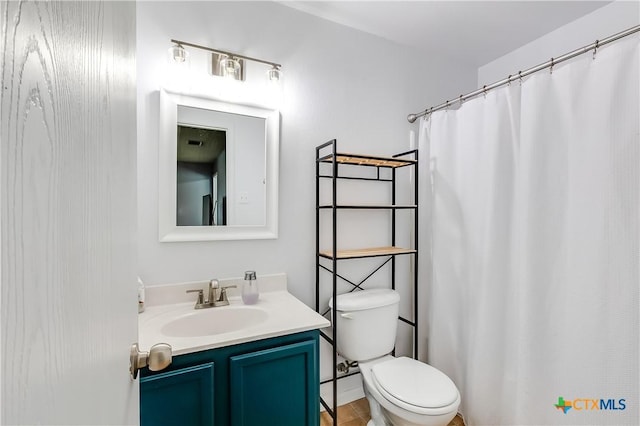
266 382
183 396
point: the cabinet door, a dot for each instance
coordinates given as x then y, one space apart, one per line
180 397
276 386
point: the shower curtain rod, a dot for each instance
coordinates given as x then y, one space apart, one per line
549 64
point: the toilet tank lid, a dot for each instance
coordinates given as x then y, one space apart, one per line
365 299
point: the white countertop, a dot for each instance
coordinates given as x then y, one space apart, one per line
285 315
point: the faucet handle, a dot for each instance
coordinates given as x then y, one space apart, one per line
222 299
223 290
200 292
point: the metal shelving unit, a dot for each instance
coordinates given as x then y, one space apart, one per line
338 162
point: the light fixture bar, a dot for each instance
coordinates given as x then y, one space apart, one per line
223 52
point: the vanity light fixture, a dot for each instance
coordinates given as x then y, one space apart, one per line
225 64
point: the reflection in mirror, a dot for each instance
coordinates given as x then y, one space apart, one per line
201 177
239 166
218 170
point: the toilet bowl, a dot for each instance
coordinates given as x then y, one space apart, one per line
401 391
406 392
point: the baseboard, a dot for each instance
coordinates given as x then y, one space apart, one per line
350 395
349 390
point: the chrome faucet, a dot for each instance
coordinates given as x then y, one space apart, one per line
214 284
213 300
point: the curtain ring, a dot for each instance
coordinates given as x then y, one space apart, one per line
520 77
447 106
426 113
509 80
460 100
484 91
551 67
595 48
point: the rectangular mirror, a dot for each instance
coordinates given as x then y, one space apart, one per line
218 170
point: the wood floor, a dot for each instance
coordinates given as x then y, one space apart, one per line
356 413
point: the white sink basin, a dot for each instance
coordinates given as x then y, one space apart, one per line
187 330
212 321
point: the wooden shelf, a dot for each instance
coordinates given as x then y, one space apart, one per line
366 160
367 252
371 206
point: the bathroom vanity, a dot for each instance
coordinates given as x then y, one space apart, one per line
233 365
266 382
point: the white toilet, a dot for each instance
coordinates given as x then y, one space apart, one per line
401 391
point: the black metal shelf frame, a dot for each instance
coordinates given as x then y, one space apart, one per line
366 207
336 160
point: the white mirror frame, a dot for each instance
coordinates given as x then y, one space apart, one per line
167 189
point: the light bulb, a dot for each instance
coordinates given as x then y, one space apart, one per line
178 54
274 74
230 68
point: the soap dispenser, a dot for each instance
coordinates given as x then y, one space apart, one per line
250 292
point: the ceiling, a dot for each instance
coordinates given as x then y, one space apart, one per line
198 145
472 32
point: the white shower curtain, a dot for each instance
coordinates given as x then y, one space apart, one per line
533 273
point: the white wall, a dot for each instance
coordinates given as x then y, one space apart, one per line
339 83
601 23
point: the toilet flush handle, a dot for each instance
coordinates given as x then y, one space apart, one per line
347 316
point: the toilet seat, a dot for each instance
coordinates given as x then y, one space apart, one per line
414 386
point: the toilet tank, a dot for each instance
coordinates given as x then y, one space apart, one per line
366 323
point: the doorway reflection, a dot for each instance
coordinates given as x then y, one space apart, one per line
201 177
